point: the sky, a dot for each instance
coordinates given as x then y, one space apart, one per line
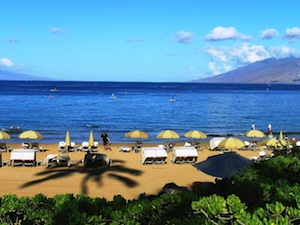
143 40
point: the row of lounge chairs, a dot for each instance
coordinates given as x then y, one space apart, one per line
158 155
73 148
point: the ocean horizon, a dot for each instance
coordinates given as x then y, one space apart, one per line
53 107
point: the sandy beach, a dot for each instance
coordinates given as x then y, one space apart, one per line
126 176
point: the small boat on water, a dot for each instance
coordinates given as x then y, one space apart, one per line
172 99
53 89
112 95
91 126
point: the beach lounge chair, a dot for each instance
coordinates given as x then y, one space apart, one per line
184 155
23 157
35 145
55 160
61 146
72 148
25 145
84 146
124 149
153 155
3 147
94 148
137 147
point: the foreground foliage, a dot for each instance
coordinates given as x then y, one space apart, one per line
267 193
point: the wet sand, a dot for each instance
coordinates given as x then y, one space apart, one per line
126 176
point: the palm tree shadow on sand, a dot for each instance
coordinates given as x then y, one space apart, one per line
116 171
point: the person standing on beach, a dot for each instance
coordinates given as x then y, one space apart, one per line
269 128
105 140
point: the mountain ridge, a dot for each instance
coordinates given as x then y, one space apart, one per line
268 71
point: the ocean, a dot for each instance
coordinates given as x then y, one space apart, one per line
53 107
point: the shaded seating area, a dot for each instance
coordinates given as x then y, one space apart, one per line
153 155
23 157
96 160
184 155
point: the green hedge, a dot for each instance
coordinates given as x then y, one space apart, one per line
266 193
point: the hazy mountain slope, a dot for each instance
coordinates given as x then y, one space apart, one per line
8 75
283 71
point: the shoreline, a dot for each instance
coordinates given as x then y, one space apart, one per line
126 176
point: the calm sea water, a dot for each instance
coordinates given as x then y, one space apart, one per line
216 109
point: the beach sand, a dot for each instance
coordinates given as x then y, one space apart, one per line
126 176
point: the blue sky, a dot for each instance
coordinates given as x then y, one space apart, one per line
139 40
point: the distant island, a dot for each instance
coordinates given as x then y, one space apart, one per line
268 71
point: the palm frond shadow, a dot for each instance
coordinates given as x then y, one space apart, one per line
115 171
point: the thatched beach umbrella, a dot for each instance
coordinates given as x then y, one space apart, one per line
196 134
30 134
231 143
254 134
137 134
4 135
168 134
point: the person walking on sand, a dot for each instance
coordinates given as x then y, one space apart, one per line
105 140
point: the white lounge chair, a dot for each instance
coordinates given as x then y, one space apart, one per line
153 155
95 147
184 155
84 146
61 146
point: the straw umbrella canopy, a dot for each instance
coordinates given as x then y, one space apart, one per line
223 165
196 134
273 142
255 134
30 134
4 135
281 139
68 139
137 134
168 134
91 139
231 142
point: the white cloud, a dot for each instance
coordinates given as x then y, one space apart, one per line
5 62
184 37
226 33
292 34
269 34
224 59
212 66
56 30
